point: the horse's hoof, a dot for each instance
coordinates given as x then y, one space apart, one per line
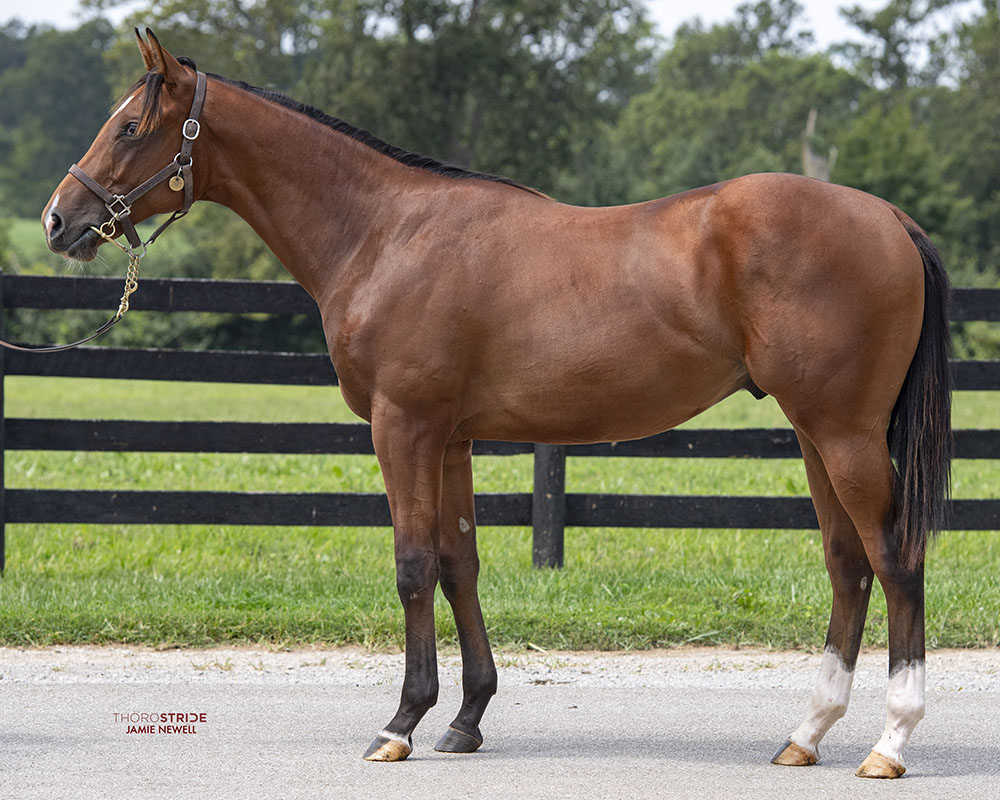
792 755
456 741
389 747
880 766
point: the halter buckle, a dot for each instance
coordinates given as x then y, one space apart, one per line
125 210
191 129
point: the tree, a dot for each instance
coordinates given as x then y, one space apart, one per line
885 151
50 77
964 126
506 86
732 99
264 42
896 33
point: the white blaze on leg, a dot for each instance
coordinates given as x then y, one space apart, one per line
904 704
830 697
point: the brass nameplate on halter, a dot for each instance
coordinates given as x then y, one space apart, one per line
176 183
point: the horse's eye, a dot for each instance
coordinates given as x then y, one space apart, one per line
129 130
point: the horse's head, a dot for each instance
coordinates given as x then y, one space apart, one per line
140 164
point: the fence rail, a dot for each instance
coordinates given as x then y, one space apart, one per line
548 509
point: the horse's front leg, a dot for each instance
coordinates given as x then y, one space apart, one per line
459 579
410 454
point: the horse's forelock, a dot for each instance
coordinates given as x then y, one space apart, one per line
152 86
150 116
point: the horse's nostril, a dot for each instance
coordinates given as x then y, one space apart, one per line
53 225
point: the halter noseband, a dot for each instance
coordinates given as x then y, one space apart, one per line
178 172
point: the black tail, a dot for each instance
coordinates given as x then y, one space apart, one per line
920 438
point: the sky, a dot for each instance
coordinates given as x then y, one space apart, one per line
821 16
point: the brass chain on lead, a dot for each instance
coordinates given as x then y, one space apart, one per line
135 255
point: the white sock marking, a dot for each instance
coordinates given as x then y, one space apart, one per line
395 737
904 704
828 703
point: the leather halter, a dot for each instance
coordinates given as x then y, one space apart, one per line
120 208
120 205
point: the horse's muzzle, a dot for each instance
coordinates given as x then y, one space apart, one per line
78 243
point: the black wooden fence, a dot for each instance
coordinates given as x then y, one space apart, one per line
548 509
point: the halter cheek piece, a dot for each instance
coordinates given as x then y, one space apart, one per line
179 175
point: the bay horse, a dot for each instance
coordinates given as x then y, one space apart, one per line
461 306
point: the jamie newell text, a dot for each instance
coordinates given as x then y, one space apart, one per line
167 722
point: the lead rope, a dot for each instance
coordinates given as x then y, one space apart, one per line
135 255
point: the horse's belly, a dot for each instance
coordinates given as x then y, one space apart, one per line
564 406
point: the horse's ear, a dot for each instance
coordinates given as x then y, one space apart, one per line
147 57
162 61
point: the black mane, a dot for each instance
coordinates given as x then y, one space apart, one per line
404 157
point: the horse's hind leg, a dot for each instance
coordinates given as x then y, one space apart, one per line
857 462
459 578
851 579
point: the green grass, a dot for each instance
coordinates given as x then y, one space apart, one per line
201 585
27 246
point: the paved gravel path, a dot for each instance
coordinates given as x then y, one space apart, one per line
289 724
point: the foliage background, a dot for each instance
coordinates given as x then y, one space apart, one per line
579 99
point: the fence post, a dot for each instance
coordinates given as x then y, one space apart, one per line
3 440
548 506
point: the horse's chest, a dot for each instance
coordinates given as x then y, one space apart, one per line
354 370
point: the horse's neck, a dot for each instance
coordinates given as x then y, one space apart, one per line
314 195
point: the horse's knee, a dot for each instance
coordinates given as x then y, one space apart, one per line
416 574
